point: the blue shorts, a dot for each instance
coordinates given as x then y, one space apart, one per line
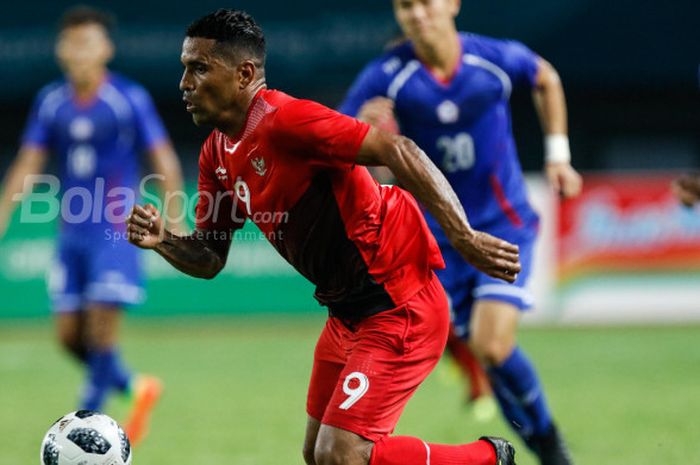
465 284
95 270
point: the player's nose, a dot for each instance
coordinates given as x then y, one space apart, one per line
185 82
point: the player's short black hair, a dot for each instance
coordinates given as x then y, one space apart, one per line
234 29
83 14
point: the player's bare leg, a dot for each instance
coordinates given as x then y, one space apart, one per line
70 333
514 380
103 324
335 446
312 427
325 445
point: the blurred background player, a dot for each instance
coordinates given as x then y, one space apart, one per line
365 247
450 93
479 395
687 189
96 123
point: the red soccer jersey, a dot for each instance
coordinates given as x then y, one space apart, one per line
292 171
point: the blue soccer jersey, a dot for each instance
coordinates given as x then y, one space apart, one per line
463 125
98 144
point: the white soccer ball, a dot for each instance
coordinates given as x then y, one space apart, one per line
85 438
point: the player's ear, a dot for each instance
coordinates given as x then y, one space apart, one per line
109 50
246 73
455 7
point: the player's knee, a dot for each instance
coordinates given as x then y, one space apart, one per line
491 350
101 328
74 346
339 456
97 340
68 338
335 451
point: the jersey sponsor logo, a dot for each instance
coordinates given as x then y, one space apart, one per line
221 173
259 166
447 112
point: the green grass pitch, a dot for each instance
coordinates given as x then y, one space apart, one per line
235 391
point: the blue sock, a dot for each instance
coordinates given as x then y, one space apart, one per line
510 406
99 379
121 377
105 371
520 394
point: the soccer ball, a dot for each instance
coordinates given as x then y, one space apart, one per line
85 437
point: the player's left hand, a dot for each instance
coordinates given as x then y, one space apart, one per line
564 179
491 255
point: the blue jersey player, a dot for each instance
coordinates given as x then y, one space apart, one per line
449 92
96 123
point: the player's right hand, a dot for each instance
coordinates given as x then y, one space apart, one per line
379 112
491 255
687 189
144 226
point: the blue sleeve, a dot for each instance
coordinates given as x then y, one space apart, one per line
37 130
517 60
371 82
149 126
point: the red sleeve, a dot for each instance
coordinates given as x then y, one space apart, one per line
319 133
214 210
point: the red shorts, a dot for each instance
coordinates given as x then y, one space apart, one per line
362 378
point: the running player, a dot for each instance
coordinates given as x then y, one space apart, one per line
449 92
96 123
294 167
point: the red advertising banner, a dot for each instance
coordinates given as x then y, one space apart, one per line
626 224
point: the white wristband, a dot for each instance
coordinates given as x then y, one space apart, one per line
556 148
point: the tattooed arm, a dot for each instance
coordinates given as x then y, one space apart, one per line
201 254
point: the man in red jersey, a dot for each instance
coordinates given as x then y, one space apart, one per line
293 167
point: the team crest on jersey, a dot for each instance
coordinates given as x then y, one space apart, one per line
81 128
259 166
448 112
221 173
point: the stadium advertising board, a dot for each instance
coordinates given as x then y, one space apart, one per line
624 251
627 250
